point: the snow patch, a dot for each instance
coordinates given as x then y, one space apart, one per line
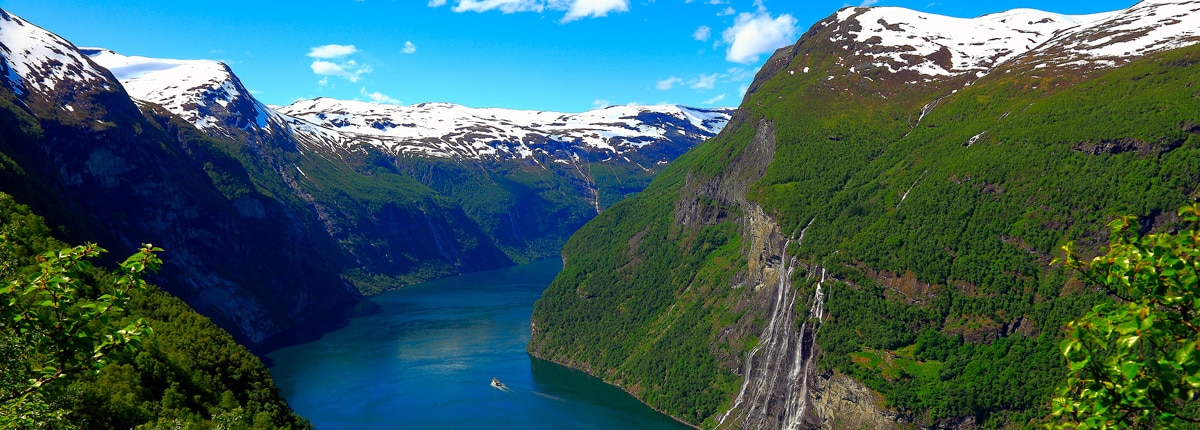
38 60
458 131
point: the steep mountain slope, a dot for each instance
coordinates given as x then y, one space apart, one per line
204 93
186 373
103 169
272 222
884 206
525 179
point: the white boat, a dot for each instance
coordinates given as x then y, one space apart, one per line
497 384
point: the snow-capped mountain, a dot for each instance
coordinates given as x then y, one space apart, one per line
37 60
210 96
453 131
46 71
1115 39
919 46
206 93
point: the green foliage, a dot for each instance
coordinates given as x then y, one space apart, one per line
61 330
1133 361
65 338
932 240
637 302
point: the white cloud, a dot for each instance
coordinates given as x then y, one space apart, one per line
667 83
594 8
506 6
601 103
331 51
702 33
704 82
714 99
866 3
575 9
727 11
735 74
409 48
348 70
756 34
378 97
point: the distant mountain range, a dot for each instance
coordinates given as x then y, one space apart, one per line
868 243
279 217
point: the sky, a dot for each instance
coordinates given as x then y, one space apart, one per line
554 55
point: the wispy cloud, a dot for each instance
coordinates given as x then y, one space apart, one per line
727 11
700 82
714 100
703 82
754 34
866 3
594 8
668 83
409 48
575 9
329 61
702 34
506 6
378 97
349 70
331 51
601 103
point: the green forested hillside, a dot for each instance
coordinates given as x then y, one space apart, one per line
936 233
187 373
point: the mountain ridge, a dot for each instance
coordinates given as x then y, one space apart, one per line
431 129
190 160
868 229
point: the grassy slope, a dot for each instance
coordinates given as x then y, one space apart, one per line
957 270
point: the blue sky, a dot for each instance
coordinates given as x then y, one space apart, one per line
562 55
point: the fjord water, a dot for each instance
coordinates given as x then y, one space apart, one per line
424 357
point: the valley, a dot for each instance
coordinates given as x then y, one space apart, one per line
873 238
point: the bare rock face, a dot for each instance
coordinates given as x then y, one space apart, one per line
841 402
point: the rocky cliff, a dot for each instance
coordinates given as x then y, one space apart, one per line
867 244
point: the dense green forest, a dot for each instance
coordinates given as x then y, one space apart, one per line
184 373
936 229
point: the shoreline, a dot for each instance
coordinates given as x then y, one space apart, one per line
639 399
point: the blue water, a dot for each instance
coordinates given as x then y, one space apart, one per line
425 358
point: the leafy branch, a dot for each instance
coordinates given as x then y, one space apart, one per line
65 330
1133 362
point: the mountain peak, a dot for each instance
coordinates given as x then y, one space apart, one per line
34 60
203 92
904 40
1118 37
454 131
919 46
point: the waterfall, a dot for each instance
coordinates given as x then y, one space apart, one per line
803 362
776 371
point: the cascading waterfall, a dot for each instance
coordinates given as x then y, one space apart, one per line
775 389
758 381
802 364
